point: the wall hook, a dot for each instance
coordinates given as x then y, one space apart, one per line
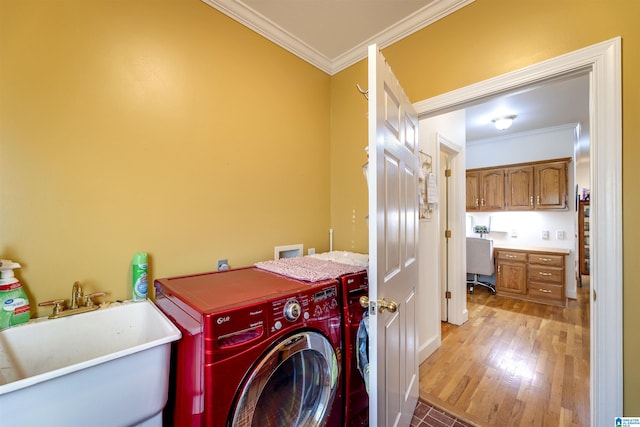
365 93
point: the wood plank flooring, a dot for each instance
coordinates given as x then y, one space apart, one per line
513 363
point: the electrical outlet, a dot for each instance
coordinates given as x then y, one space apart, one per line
311 251
544 234
514 233
560 234
223 264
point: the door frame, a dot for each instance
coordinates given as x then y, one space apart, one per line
603 62
457 306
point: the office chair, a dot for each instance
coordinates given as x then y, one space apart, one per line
480 262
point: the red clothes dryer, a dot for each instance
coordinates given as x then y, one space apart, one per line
353 286
258 349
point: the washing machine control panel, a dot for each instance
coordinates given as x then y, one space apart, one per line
317 304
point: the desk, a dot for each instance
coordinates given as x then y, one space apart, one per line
531 273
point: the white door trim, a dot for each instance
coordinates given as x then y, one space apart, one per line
603 61
458 313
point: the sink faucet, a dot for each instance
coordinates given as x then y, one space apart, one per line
76 294
74 304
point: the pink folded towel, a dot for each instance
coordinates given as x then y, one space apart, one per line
308 268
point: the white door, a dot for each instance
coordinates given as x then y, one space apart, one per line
393 248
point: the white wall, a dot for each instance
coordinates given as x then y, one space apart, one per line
583 162
524 228
545 144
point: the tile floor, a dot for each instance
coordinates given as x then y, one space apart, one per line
427 415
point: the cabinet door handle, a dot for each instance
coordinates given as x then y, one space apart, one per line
545 291
542 273
531 200
510 256
545 259
477 203
538 199
482 202
499 268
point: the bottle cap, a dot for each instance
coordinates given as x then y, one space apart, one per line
140 258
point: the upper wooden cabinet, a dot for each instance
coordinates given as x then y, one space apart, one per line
551 185
521 187
519 194
485 190
473 191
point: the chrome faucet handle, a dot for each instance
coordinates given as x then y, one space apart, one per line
58 305
88 299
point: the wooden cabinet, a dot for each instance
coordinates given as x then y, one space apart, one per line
485 190
519 194
551 185
545 278
473 191
521 187
511 272
584 211
533 275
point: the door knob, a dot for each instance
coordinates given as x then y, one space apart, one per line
383 304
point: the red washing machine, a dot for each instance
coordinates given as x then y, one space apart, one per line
258 349
353 286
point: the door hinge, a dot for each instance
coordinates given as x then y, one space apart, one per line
447 234
447 173
447 294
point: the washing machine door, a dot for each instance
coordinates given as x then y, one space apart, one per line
294 385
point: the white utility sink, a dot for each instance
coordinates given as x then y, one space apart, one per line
108 367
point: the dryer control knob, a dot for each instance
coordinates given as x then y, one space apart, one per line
292 310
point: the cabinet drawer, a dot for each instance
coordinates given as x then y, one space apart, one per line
511 256
545 291
546 259
546 274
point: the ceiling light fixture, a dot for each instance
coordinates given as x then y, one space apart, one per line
504 122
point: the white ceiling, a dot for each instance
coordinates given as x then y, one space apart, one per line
549 104
334 34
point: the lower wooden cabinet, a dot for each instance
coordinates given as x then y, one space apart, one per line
511 272
531 275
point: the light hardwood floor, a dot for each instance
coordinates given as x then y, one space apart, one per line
514 363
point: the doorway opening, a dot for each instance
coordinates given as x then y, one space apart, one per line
603 63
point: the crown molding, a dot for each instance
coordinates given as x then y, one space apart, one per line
411 24
240 12
262 25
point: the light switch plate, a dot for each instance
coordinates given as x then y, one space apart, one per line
544 234
560 234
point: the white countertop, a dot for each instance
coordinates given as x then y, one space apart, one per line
559 251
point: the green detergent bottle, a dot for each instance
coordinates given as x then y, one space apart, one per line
140 277
14 304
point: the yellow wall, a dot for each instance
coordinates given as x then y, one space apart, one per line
159 126
163 126
349 195
492 37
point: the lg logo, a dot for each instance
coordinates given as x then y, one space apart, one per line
222 320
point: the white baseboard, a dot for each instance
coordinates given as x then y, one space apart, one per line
427 348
